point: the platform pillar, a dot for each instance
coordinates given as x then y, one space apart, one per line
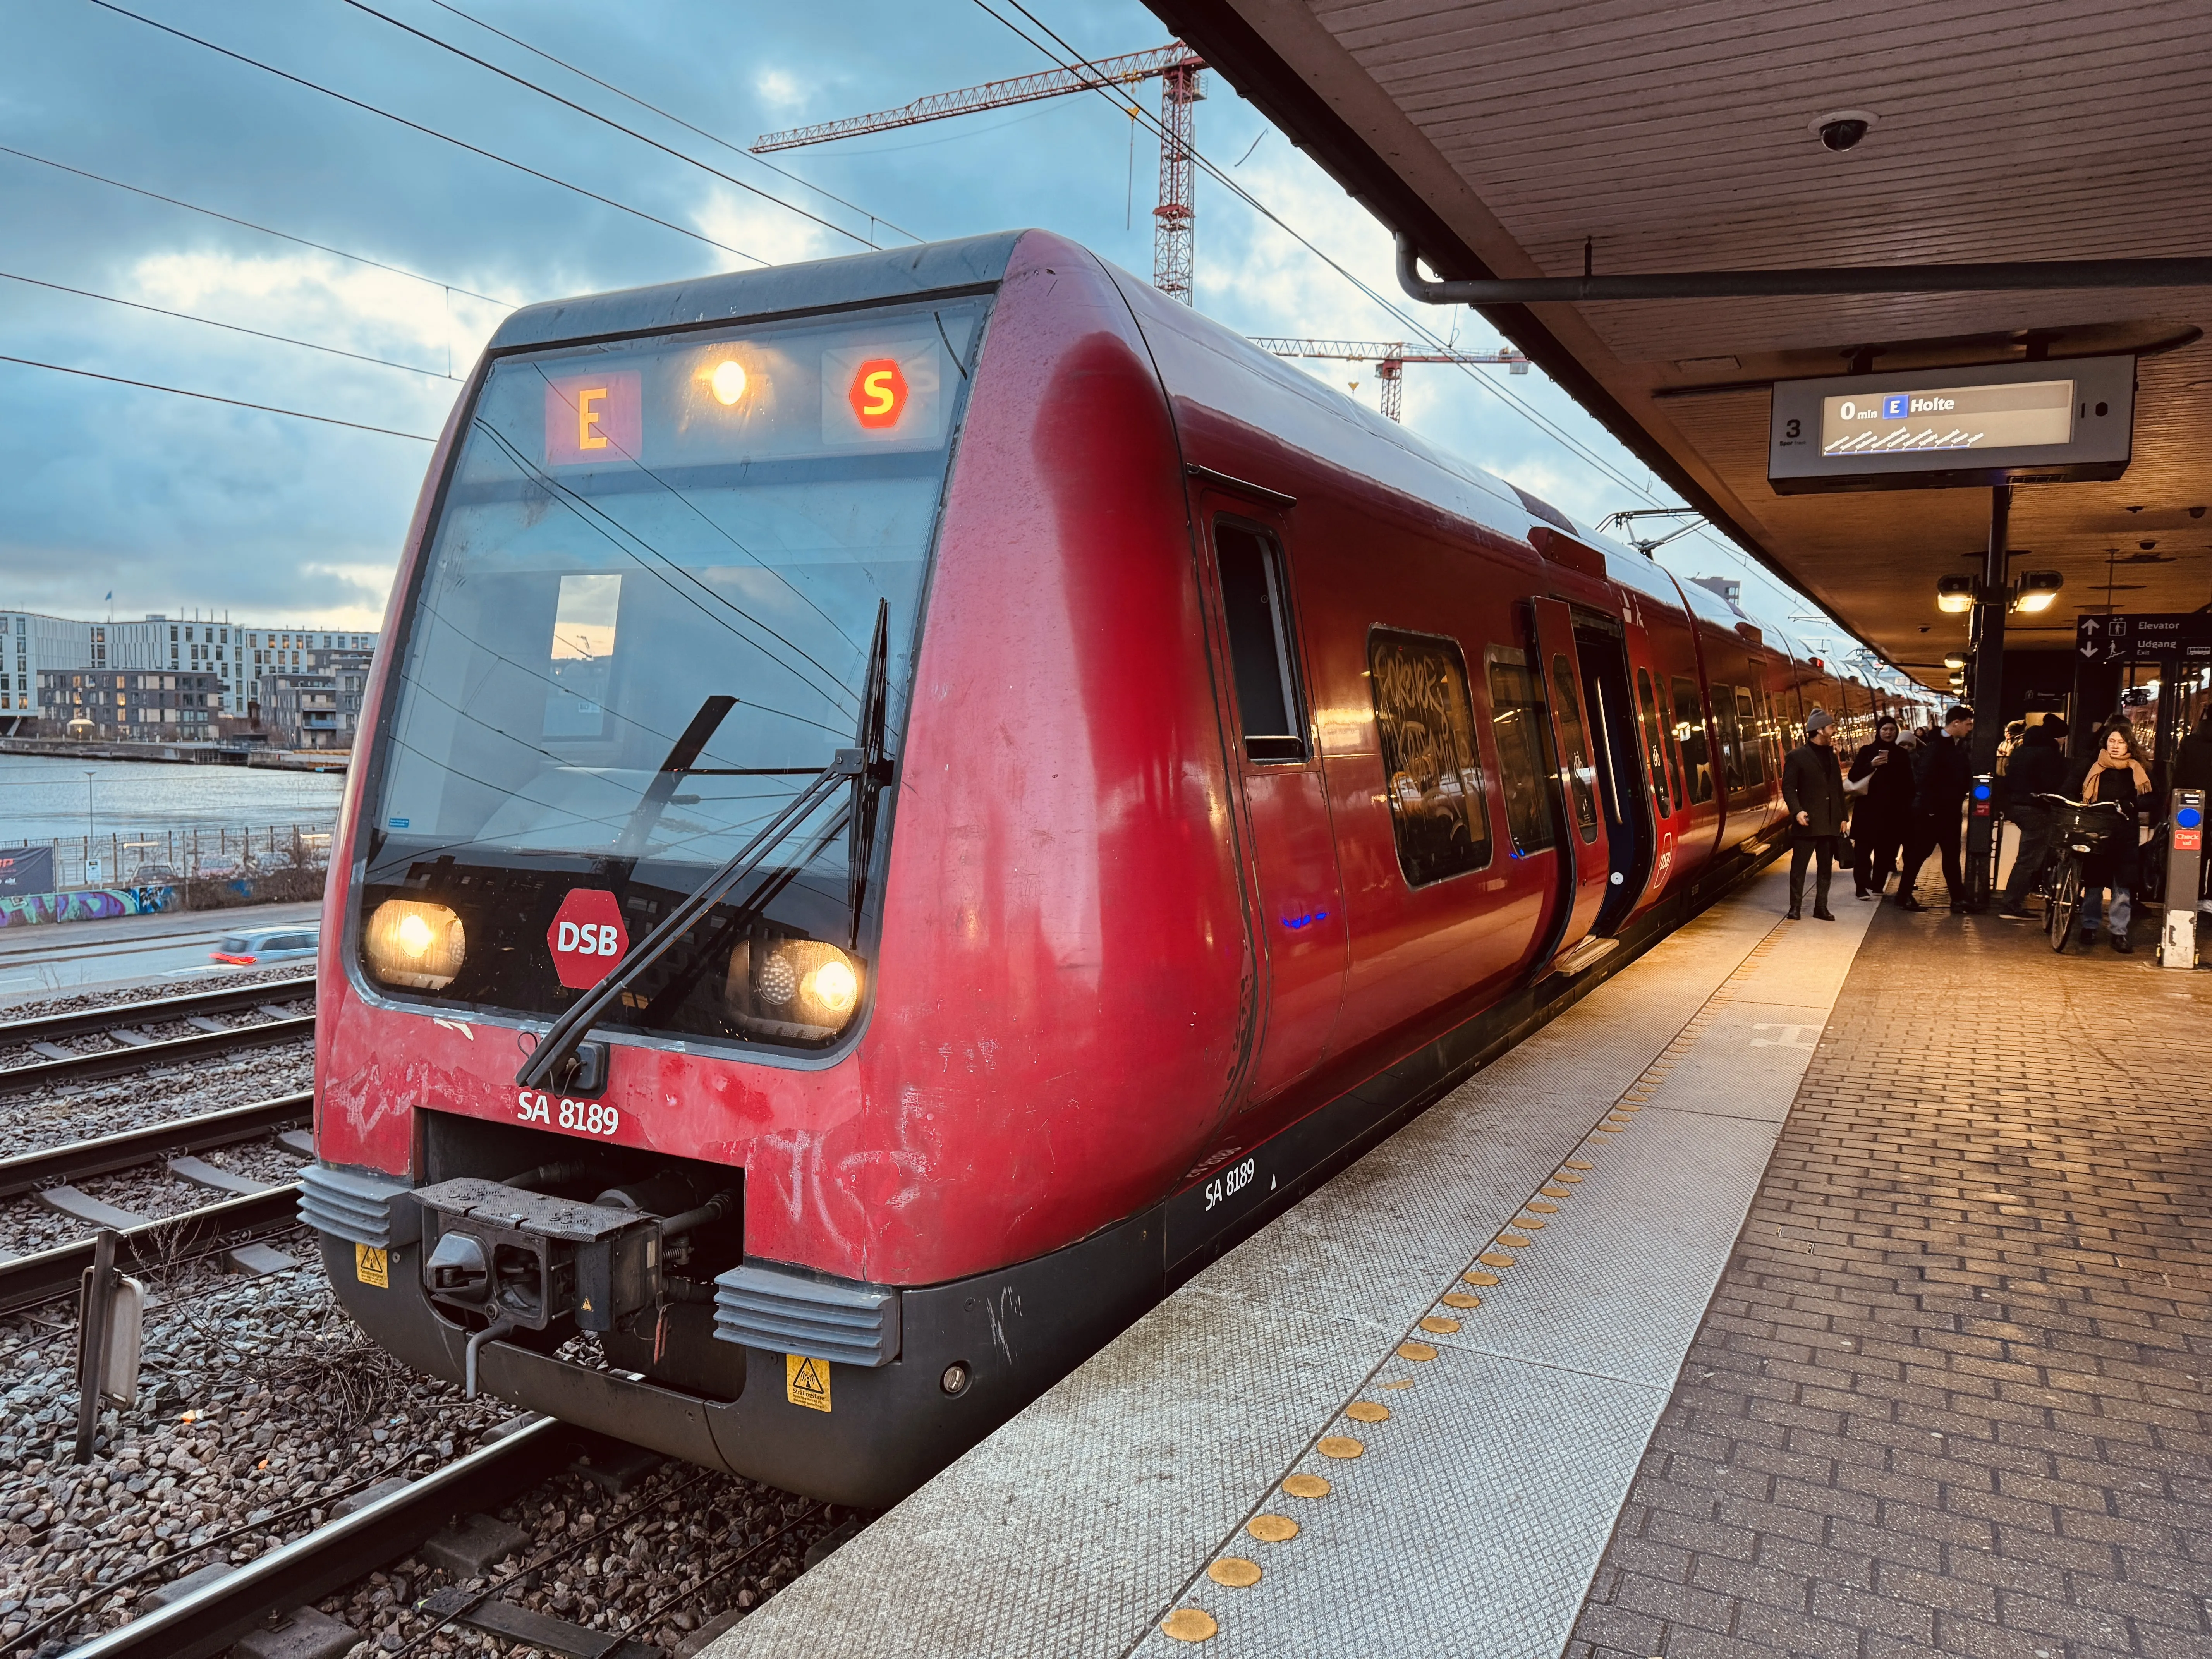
1996 592
2184 857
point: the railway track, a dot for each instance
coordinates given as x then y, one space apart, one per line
125 1025
250 1211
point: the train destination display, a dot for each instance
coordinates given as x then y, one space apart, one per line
1996 423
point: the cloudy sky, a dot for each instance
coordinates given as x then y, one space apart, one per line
173 502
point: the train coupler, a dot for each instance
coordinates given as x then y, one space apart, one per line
531 1260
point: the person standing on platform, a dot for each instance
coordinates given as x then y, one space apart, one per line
1941 774
2118 774
1813 790
1880 816
2038 767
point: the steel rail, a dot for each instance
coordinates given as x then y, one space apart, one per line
50 1275
112 1063
50 1027
209 1621
80 1160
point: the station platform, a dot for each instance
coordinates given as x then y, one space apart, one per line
1919 1203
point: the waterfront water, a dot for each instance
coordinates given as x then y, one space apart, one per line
42 798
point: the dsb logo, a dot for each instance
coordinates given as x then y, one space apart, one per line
591 939
587 937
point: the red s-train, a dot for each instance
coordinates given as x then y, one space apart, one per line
911 800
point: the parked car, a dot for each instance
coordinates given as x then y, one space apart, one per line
264 945
153 875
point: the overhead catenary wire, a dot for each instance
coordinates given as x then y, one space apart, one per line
248 224
235 328
570 103
1532 416
428 133
210 397
873 218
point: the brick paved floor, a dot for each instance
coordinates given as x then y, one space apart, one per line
1951 1395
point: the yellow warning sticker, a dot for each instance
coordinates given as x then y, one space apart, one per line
806 1382
372 1267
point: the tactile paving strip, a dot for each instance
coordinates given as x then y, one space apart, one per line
1093 1517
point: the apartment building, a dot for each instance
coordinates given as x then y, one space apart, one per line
241 656
129 706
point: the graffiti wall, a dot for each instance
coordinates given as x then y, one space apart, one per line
89 904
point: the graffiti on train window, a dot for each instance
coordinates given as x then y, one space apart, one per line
1425 721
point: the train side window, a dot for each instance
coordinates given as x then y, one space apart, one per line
1516 714
1581 770
1690 732
1424 719
1255 600
1655 750
1729 774
1754 742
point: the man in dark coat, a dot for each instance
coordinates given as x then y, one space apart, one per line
1813 790
2038 767
1943 772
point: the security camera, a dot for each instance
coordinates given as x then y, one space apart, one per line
1841 130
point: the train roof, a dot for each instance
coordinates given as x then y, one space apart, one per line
903 273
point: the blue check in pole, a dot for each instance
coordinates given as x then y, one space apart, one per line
2185 859
1983 830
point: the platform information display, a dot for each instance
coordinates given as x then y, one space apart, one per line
1996 423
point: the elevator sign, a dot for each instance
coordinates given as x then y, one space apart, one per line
587 937
1947 427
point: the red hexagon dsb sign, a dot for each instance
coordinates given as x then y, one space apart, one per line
587 937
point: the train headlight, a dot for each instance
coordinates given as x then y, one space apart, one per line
799 989
413 944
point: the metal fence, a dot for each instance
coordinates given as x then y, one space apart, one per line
129 857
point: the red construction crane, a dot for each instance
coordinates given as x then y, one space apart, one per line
1177 67
1390 358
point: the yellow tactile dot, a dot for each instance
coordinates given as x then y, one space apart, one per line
1554 1190
1609 1128
1367 1411
1542 1208
1571 1180
1495 1259
1310 1486
1402 1383
1572 1163
1273 1529
1189 1625
1235 1572
1461 1299
1515 1241
1439 1325
1626 1107
1476 1276
1527 1223
1339 1446
1416 1351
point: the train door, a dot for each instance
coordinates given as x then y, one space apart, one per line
1610 710
1585 861
1294 864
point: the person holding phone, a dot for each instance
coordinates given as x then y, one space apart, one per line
1881 778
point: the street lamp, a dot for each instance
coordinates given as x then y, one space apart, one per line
1955 594
2037 588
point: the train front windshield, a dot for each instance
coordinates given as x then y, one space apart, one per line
642 541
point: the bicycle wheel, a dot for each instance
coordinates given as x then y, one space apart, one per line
2065 901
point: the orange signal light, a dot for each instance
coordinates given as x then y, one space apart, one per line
878 393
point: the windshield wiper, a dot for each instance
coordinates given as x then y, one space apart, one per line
673 770
864 768
876 770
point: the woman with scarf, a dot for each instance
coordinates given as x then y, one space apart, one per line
1880 815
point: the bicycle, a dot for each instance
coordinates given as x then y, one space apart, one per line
2081 829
